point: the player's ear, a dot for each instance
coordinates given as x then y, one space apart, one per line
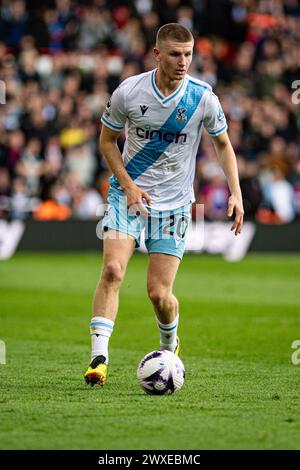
156 53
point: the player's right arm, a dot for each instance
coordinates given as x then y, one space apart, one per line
110 151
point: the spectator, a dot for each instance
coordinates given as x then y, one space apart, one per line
95 28
80 161
14 149
52 209
31 166
4 193
87 203
14 22
19 202
215 193
282 197
252 195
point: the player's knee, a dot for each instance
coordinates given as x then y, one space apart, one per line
157 295
113 272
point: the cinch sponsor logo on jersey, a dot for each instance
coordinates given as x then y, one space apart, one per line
151 134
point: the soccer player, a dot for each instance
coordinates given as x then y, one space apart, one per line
163 112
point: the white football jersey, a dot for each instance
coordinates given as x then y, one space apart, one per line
163 134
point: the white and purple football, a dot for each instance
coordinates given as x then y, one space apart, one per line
161 373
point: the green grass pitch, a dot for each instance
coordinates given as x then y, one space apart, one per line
237 324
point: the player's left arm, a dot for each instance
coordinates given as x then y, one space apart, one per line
227 159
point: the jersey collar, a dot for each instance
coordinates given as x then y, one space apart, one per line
158 94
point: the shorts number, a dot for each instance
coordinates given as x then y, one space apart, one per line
180 224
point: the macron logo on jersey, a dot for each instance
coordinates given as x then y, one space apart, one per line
158 134
143 108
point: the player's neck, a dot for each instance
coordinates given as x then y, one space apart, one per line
164 84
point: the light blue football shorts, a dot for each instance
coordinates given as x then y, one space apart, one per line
165 231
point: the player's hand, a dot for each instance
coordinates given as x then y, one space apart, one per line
235 204
135 198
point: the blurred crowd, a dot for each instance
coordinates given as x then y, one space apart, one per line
60 60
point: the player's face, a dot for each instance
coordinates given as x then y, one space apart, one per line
174 58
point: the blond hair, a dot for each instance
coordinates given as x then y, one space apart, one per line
173 32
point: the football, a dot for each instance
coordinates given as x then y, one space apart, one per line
161 373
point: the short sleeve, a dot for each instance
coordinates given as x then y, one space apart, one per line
115 114
214 118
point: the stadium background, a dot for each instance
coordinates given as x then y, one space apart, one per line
59 61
